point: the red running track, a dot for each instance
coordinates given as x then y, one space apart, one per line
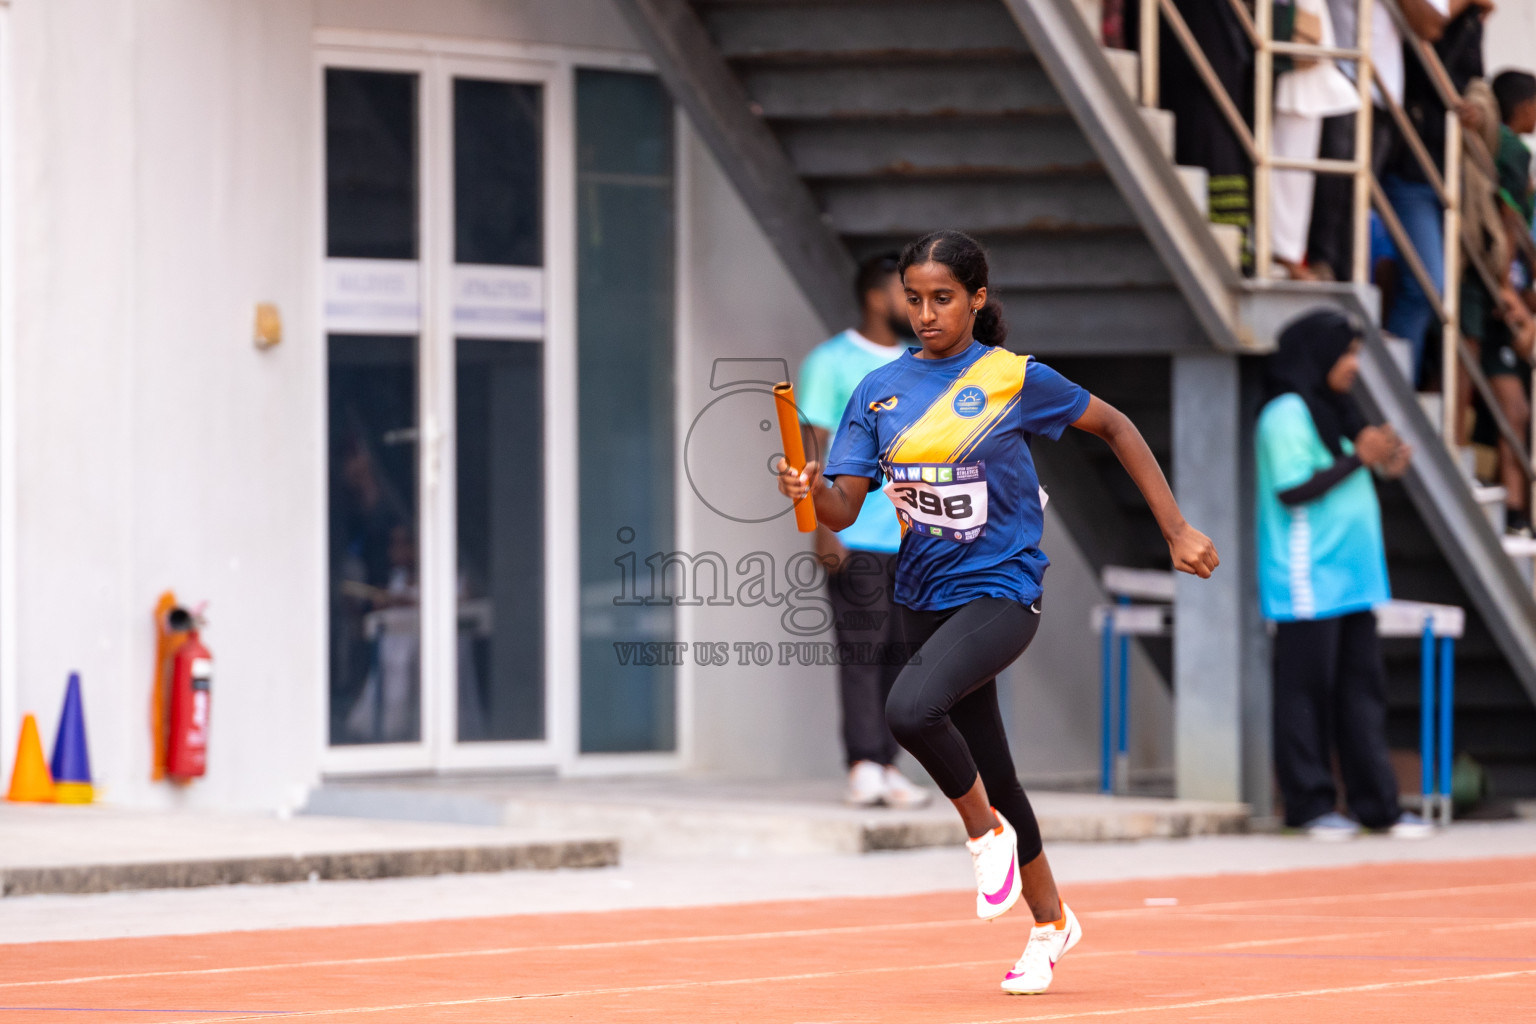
1397 943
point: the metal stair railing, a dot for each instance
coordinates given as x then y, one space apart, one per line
1257 142
1456 356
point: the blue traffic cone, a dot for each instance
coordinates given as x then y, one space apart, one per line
71 761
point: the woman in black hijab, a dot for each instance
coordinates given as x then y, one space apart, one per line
1308 351
1322 568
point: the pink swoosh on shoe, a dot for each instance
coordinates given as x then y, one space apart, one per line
1002 894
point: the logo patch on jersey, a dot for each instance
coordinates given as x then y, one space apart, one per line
970 401
884 405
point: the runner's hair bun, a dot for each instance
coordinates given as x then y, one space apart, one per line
990 327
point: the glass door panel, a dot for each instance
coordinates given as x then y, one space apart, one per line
625 298
372 321
498 180
375 613
500 434
371 161
498 317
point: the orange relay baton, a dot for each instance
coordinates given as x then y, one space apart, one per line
794 449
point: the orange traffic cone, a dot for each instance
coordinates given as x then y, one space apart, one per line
31 782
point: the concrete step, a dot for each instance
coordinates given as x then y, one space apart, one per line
1492 500
62 849
927 146
979 205
681 818
1197 183
901 86
1522 550
1127 68
1093 16
1053 259
1098 321
1430 404
1466 458
1162 124
809 31
1230 238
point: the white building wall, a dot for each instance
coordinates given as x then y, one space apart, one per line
1509 38
164 186
581 23
750 721
165 181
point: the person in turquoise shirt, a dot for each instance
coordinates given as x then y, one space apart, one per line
862 560
1322 568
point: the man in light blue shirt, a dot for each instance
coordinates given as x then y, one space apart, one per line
862 559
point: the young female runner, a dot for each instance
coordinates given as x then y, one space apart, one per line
948 426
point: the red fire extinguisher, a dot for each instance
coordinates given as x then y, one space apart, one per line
191 679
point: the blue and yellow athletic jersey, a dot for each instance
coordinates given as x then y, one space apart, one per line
949 439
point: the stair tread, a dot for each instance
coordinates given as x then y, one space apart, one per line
885 55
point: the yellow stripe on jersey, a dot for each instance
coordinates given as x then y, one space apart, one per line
942 435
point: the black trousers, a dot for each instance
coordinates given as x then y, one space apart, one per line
943 708
868 629
1330 699
1331 236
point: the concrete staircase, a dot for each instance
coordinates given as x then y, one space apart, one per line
1496 716
901 115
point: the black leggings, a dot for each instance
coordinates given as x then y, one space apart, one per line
943 707
1330 698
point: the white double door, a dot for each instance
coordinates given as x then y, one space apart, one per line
438 187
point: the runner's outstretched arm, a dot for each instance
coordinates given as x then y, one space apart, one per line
837 502
1192 551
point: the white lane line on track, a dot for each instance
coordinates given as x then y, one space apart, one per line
1284 901
1383 986
727 982
572 947
669 986
1193 912
575 947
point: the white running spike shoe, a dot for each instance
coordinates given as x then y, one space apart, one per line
995 858
1047 945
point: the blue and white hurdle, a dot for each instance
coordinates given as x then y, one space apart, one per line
1438 626
1435 625
1116 624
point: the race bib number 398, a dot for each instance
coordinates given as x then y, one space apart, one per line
940 500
